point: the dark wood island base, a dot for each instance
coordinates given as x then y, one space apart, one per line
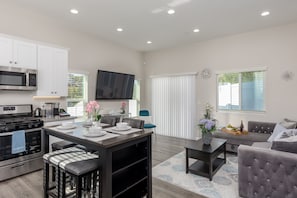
126 162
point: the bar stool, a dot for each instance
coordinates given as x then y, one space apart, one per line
58 146
87 169
74 162
134 123
111 120
62 145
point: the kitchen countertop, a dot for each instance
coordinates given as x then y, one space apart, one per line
59 119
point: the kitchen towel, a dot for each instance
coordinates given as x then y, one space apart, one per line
18 142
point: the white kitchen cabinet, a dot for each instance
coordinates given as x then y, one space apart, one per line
17 53
6 56
52 71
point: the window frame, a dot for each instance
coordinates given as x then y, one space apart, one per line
257 69
86 96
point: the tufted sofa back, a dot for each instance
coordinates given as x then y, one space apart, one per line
261 127
266 173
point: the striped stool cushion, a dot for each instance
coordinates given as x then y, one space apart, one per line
77 158
70 150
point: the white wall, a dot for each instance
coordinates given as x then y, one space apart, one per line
87 53
274 48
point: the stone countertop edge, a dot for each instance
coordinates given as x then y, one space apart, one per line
59 119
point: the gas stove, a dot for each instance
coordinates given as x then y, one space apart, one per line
14 118
17 117
21 123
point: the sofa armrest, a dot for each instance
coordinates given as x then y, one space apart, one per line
266 173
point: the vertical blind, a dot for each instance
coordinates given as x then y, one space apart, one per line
174 105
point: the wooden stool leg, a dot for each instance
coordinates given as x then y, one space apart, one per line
100 184
53 174
62 184
45 179
78 187
89 182
94 183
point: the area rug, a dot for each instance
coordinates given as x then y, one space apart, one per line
223 185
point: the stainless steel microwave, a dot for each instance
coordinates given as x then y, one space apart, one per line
13 78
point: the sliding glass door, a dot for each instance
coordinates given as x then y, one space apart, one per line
174 105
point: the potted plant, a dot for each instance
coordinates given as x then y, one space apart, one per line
93 109
123 107
207 125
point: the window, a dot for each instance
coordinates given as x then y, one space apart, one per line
134 104
77 94
242 91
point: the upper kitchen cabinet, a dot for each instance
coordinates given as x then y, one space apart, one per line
52 71
18 53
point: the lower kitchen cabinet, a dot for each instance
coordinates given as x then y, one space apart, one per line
130 171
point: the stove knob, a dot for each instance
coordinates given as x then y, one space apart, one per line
29 126
6 129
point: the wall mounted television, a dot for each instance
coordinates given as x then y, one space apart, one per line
113 85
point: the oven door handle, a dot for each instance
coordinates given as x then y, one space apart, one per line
26 131
18 165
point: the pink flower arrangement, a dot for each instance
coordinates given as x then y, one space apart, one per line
123 107
93 109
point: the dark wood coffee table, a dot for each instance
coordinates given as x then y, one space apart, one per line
208 162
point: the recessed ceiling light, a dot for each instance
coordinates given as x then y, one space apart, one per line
74 11
171 11
149 42
265 13
119 29
196 30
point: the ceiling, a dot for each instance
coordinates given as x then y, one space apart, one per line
144 20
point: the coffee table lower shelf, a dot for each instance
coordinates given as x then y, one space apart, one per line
202 168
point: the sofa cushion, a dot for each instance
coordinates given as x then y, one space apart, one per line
286 141
286 144
247 139
288 124
286 133
277 130
262 145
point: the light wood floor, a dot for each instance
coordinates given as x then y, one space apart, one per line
30 185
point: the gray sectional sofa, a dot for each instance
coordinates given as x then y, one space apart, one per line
263 172
258 132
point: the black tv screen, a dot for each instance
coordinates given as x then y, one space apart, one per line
113 85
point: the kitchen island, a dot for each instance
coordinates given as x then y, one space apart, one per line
125 160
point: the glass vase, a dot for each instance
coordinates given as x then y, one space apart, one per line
206 138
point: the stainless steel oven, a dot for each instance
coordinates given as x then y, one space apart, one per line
12 78
18 117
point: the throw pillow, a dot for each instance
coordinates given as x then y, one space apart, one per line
286 133
288 124
276 131
288 144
